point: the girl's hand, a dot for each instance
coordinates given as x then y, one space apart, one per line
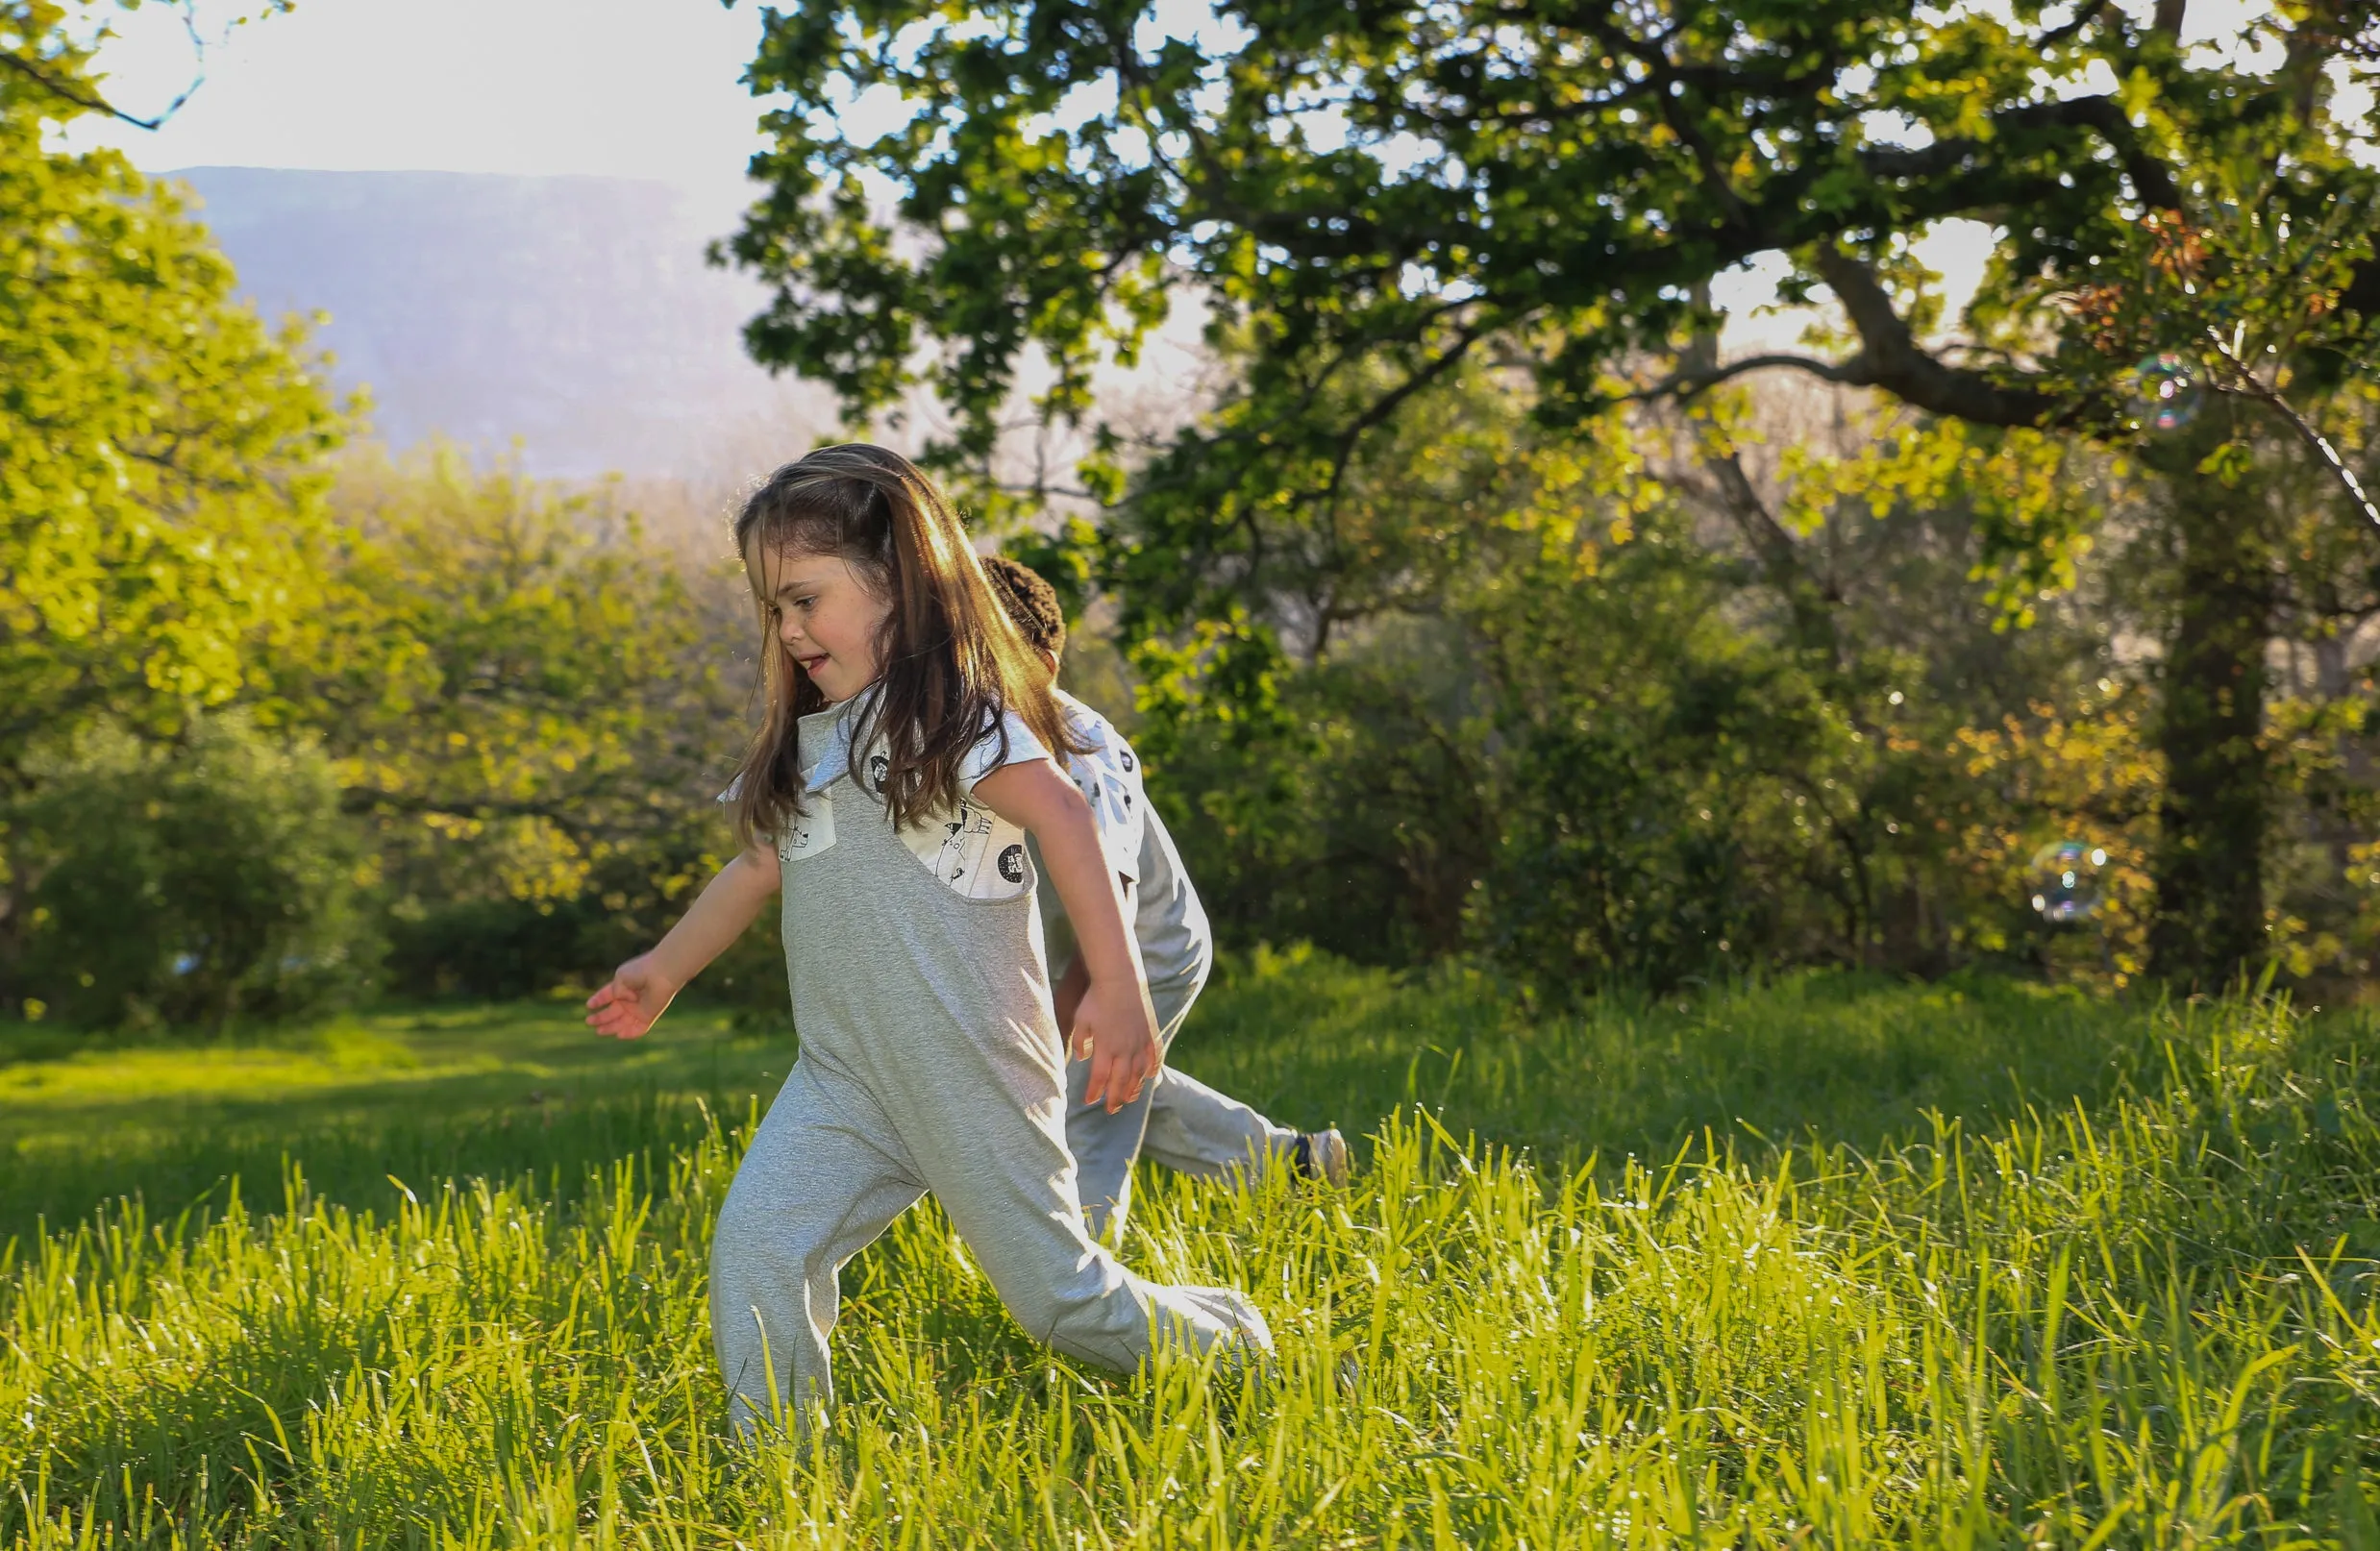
642 987
634 1001
1116 1030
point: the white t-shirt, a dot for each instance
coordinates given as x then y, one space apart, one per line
972 849
1176 943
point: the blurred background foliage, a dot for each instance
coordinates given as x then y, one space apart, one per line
283 721
1604 743
1429 658
2139 434
1555 699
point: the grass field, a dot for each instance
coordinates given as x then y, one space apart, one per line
1832 1262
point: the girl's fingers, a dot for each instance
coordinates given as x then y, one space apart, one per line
1103 1065
617 1018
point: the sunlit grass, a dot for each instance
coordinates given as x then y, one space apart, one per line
2117 1289
429 1090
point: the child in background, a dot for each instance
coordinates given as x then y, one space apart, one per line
907 754
1180 1121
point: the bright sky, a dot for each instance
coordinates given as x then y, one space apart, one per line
642 89
635 88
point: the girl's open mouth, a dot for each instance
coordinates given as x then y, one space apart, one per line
812 665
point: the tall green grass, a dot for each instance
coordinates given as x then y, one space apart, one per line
1886 1265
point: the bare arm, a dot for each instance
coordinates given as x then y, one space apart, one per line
641 988
1114 1027
1067 994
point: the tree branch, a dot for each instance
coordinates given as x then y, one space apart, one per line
1387 405
2151 180
2320 445
1890 357
2084 15
71 90
1809 600
1693 381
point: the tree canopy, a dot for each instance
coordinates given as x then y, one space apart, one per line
160 448
1410 183
1369 199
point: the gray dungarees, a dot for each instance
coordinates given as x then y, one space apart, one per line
929 1061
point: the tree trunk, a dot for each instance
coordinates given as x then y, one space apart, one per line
2209 867
2334 681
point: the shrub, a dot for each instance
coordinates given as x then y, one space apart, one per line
495 949
192 882
501 948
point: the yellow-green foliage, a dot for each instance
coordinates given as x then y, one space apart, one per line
2132 1313
532 699
160 447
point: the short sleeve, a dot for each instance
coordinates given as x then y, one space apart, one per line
735 790
1011 743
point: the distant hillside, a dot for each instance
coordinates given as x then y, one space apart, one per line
576 314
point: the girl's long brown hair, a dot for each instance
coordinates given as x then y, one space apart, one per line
951 660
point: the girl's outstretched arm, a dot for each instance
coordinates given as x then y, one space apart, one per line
1115 1027
642 987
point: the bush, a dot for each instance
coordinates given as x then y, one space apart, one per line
495 949
505 948
191 883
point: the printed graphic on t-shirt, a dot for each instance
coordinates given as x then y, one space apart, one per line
973 851
813 832
1106 779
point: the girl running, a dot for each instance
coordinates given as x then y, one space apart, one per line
906 755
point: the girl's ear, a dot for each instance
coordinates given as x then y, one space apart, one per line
1048 660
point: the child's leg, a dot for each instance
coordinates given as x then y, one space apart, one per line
1197 1130
1103 1147
1183 1123
812 1192
1002 1173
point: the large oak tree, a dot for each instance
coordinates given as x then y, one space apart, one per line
1377 191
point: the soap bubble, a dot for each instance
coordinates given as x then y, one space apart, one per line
2166 392
2065 880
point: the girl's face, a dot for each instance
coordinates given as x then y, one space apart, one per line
828 615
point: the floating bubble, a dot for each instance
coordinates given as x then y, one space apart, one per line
2166 392
2065 880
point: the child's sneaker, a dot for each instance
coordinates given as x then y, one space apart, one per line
1321 1155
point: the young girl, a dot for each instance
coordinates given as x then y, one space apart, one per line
904 756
